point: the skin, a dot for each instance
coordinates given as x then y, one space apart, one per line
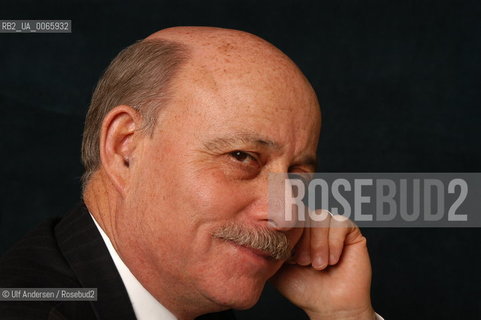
240 110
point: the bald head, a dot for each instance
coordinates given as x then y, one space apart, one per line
221 44
209 39
143 75
234 53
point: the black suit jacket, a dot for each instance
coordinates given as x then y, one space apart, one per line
67 252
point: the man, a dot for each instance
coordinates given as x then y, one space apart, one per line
181 135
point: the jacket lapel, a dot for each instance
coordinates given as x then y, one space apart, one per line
82 246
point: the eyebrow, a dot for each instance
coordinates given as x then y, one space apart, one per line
235 140
238 139
309 161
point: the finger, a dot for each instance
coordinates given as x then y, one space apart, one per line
340 227
319 233
303 255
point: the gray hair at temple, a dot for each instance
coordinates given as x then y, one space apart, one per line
139 77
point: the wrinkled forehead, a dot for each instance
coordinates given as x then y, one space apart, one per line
234 75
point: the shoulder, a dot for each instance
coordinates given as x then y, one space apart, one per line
36 261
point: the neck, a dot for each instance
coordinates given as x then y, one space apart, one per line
180 298
102 201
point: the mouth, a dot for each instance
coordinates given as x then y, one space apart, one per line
253 252
258 252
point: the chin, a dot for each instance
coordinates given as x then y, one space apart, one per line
238 296
241 301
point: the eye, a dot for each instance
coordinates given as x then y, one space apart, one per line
241 156
242 164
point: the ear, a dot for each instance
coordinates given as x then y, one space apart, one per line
118 139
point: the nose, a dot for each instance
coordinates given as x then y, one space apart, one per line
286 210
273 205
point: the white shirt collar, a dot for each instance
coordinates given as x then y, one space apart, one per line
145 306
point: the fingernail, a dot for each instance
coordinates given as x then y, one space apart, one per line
318 262
332 259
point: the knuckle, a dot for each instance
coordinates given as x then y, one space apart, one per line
335 244
318 249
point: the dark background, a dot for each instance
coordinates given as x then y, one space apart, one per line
398 82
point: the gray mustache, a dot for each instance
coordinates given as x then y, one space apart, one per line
272 242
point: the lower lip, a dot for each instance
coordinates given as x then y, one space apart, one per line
256 254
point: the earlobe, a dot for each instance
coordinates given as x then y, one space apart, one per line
118 144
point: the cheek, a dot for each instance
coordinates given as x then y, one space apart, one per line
211 196
178 199
178 195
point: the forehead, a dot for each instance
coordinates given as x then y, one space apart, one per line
250 73
225 61
251 63
236 87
